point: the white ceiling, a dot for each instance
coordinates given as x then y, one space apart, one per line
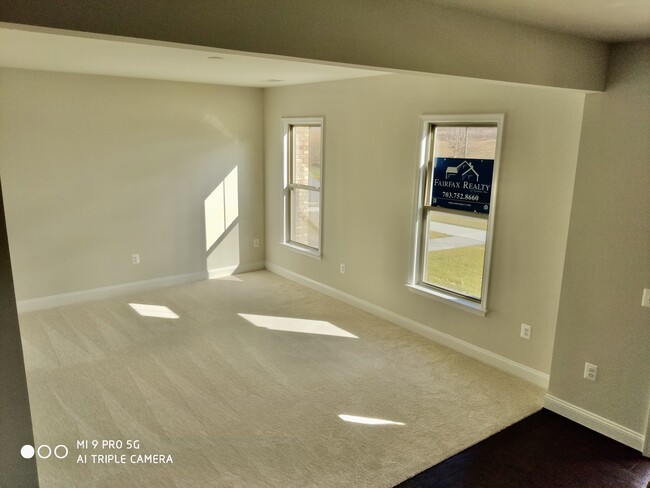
76 52
604 20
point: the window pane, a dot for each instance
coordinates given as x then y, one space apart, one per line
455 252
305 217
306 155
465 142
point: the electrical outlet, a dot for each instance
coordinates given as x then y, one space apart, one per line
256 243
645 302
525 331
591 371
135 259
342 268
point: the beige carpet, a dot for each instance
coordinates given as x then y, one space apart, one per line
242 405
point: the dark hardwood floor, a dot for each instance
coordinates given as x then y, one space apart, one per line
544 450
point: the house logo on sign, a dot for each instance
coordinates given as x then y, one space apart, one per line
455 184
464 170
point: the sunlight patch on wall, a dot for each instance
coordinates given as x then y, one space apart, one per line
223 258
221 209
368 420
158 311
305 326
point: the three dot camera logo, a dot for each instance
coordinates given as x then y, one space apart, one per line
95 451
44 451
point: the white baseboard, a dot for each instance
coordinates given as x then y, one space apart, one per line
595 422
499 362
646 439
127 288
106 292
230 270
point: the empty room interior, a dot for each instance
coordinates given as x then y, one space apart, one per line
305 244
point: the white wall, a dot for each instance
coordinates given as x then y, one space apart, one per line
96 168
370 159
608 254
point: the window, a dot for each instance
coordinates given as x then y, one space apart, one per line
303 149
456 193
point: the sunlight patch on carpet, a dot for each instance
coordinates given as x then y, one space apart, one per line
158 311
368 420
304 326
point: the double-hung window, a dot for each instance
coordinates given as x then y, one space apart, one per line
303 184
454 211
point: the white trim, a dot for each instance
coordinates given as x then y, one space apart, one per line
460 303
230 270
417 239
288 123
499 362
646 443
595 422
221 272
315 254
53 301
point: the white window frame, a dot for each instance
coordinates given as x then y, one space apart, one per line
288 124
415 280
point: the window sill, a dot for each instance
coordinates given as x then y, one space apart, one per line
454 301
302 250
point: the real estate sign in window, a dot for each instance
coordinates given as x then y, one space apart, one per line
456 195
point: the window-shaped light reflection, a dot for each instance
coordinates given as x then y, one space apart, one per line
221 208
368 420
158 311
305 326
